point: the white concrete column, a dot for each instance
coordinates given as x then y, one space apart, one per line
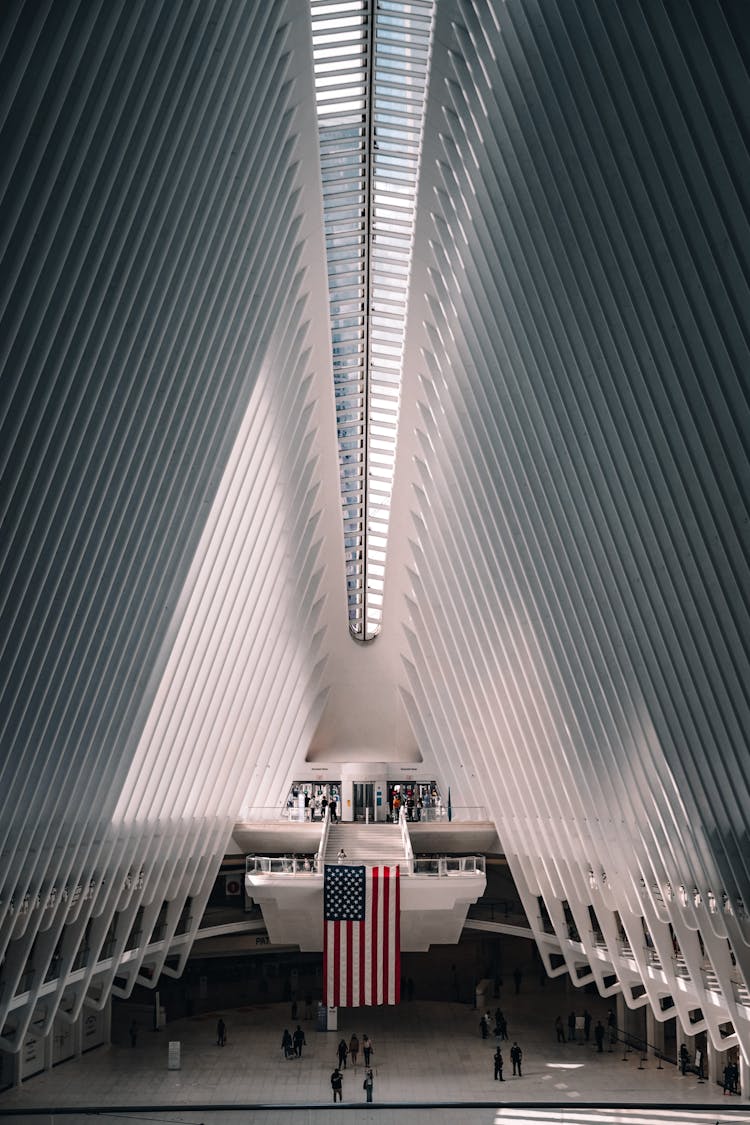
715 1063
49 1046
621 1013
78 1037
347 799
12 1067
654 1034
744 1078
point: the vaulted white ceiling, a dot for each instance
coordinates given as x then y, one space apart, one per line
565 614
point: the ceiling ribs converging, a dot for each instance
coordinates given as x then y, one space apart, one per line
371 63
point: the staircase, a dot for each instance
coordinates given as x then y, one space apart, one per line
375 845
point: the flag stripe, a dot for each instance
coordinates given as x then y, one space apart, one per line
397 939
361 968
367 991
385 937
352 928
374 944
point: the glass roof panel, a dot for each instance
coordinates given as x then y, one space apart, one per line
371 66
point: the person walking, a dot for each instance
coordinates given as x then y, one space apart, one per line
336 1084
367 1086
341 858
367 1048
287 1044
221 1033
299 1041
586 1024
353 1049
498 1058
343 1051
559 1030
483 1027
516 1054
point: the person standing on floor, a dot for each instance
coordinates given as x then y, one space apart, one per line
498 1065
728 1079
299 1041
599 1035
343 1052
366 1048
353 1048
483 1027
367 1086
684 1058
516 1054
336 1084
221 1033
586 1024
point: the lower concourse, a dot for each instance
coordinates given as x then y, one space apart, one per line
425 1053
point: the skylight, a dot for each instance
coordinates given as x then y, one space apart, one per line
371 60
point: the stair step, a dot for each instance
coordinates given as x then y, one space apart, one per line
371 844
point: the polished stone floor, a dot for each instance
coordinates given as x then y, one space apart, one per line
425 1052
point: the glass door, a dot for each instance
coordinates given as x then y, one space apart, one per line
363 800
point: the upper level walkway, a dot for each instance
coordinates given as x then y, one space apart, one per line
289 888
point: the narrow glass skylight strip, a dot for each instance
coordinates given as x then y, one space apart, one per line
371 63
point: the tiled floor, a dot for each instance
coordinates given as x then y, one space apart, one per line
424 1052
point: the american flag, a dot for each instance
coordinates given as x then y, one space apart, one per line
361 938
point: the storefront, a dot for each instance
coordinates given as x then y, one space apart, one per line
420 799
308 800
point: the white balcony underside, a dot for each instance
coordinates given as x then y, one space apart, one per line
433 910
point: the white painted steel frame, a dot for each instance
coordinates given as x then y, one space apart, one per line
568 542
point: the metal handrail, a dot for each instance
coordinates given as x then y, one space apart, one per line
439 814
442 865
276 812
406 840
281 865
320 858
